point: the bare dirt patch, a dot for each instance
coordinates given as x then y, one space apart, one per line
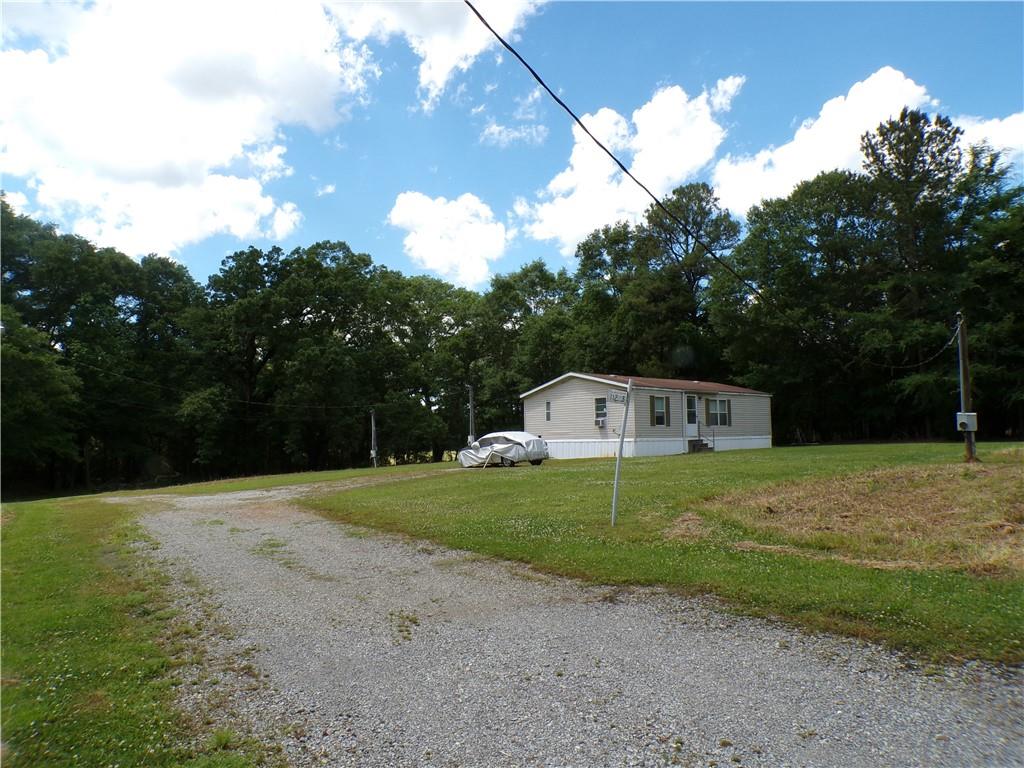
949 515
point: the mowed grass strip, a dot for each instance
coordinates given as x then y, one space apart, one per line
556 518
267 482
87 679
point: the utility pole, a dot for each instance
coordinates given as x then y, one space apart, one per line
966 419
472 416
373 437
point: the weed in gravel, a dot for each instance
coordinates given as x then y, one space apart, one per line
222 739
402 624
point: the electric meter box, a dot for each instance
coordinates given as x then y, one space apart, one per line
967 422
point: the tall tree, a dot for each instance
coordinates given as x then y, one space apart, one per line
38 406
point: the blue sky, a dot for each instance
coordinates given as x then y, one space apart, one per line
195 129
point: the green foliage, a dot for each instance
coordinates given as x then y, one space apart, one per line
860 276
275 363
38 400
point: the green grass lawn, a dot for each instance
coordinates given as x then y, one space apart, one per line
89 643
556 518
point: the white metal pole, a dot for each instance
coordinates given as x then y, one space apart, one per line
618 456
373 437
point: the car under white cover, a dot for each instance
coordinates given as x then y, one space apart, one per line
504 449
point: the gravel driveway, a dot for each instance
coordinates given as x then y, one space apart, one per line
368 649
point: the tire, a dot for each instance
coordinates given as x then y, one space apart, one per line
507 462
536 462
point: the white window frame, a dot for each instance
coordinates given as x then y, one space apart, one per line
719 412
600 408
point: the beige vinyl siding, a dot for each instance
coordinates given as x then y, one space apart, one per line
572 411
751 416
641 415
572 417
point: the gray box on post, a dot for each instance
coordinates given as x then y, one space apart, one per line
967 422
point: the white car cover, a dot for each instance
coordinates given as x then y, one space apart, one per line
504 448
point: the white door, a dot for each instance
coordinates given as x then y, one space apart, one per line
690 416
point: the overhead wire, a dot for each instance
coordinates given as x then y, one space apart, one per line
662 207
657 202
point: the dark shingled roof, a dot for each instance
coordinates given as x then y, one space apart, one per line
689 385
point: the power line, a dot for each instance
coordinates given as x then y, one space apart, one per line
682 225
925 362
661 206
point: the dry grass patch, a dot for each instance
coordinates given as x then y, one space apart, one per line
947 516
688 527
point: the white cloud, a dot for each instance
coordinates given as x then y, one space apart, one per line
286 219
829 141
18 202
446 36
504 136
669 139
527 106
50 22
725 91
1006 134
326 189
151 128
268 162
453 238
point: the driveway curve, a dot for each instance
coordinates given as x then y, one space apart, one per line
367 649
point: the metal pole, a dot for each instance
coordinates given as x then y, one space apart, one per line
373 437
472 416
970 449
618 456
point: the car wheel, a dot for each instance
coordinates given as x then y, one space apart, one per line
507 462
536 462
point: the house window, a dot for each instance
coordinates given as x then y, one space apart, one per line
691 409
660 416
600 408
547 411
719 413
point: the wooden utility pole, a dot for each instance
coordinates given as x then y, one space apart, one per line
970 449
472 416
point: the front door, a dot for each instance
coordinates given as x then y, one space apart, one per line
690 422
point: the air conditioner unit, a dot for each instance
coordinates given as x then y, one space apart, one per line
598 422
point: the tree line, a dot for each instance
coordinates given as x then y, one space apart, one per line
837 299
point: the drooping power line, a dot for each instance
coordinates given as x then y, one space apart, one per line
664 209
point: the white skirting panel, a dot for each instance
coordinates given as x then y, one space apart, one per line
659 446
736 443
587 449
644 446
